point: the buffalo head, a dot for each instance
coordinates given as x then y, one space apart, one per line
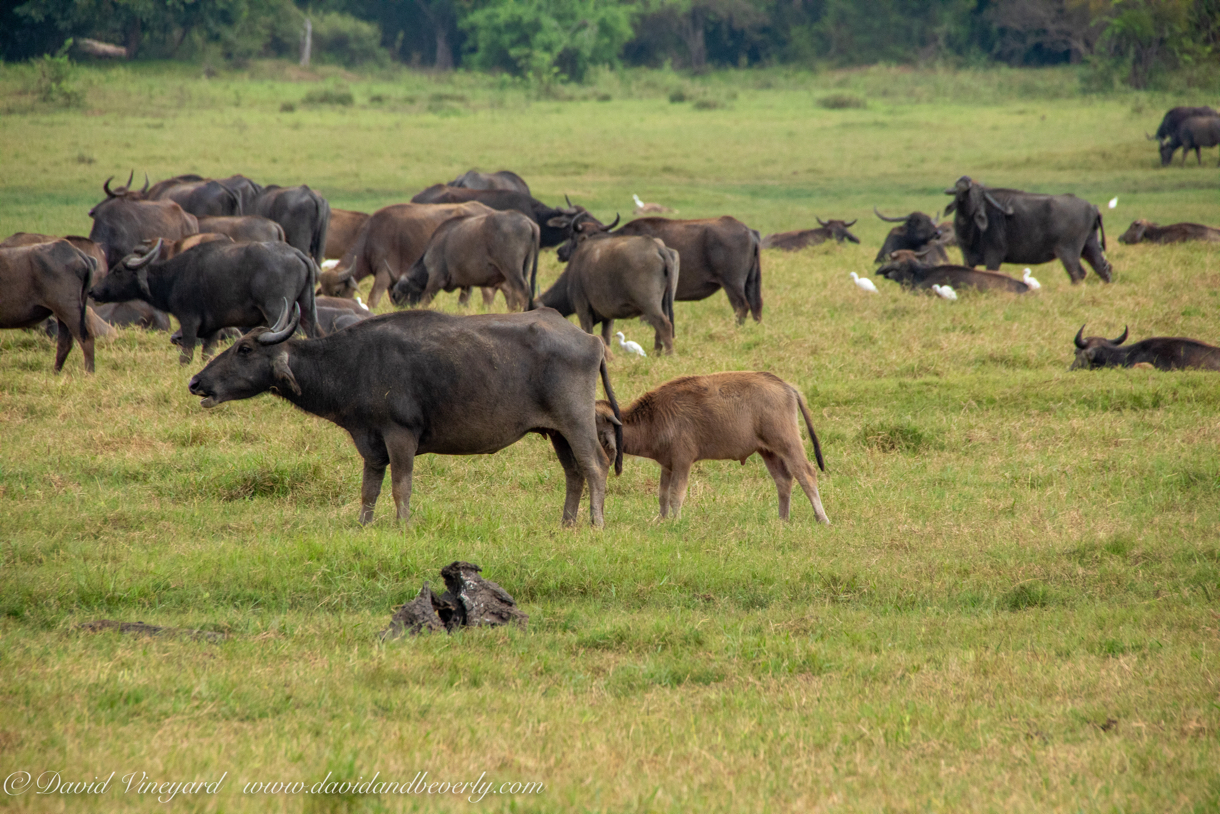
839 229
917 230
581 227
253 364
970 201
409 288
1097 351
128 279
1135 232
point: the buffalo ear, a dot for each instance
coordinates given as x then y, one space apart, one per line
559 221
980 220
283 373
949 209
142 281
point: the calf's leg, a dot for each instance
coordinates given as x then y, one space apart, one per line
667 475
677 487
783 481
794 460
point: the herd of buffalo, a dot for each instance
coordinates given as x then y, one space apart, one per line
228 257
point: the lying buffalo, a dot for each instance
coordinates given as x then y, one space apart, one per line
1141 231
1163 353
504 179
906 269
916 233
413 382
795 241
997 226
44 280
216 285
721 417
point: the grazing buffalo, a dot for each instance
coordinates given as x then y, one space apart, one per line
545 216
304 214
216 285
1162 352
134 314
244 228
409 383
341 235
722 417
204 197
494 250
916 233
44 280
1167 134
613 277
997 226
83 243
1195 133
795 241
907 269
716 253
504 179
390 242
1142 230
121 223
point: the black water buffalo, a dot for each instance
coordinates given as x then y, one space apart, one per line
504 200
995 226
611 277
413 382
134 314
494 250
216 285
341 234
173 249
389 243
716 253
795 241
1195 133
1162 352
906 269
1143 230
336 319
45 280
917 233
205 197
504 179
121 223
244 228
1167 134
304 214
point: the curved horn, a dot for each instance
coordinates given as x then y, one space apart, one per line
569 200
1080 338
281 331
899 220
1122 338
820 221
1007 210
850 224
130 176
143 191
1150 138
617 218
106 187
151 255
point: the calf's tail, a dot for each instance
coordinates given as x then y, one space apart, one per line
618 428
817 448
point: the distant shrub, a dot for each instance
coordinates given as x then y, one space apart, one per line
1027 595
604 97
707 104
840 101
344 40
83 158
338 95
55 82
288 107
677 96
377 99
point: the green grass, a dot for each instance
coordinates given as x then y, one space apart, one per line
1016 606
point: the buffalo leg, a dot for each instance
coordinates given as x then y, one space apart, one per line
376 458
209 345
607 332
381 284
489 297
1071 263
575 480
741 307
795 461
187 342
63 345
464 296
667 475
677 488
783 481
664 336
401 447
1094 256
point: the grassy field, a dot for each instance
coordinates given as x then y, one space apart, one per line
1015 609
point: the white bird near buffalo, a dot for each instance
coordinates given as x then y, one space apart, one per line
864 284
1033 284
327 265
642 208
629 346
945 292
1114 202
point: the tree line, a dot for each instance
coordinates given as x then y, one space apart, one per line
1132 41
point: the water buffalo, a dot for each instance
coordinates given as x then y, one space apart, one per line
48 279
716 253
1142 230
344 227
490 250
795 241
1195 133
83 243
722 417
916 233
204 197
244 228
134 314
216 285
389 243
504 179
1167 134
304 214
504 200
908 270
173 249
1163 353
336 319
611 277
413 382
997 226
121 222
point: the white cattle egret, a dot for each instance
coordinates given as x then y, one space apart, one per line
1031 282
1114 202
327 265
642 208
864 284
945 292
629 346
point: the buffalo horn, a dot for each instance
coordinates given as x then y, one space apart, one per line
571 205
148 256
145 184
1007 210
106 187
1122 338
851 223
617 217
1080 338
281 331
1150 138
820 221
898 220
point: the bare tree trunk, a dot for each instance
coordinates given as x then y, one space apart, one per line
306 43
691 30
444 54
133 38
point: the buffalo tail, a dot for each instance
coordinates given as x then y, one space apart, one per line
618 428
90 268
817 447
1102 226
533 278
754 281
321 225
671 282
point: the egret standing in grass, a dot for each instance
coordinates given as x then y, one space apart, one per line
864 284
1114 202
629 346
945 292
1033 284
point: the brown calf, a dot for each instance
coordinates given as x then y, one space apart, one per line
720 416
